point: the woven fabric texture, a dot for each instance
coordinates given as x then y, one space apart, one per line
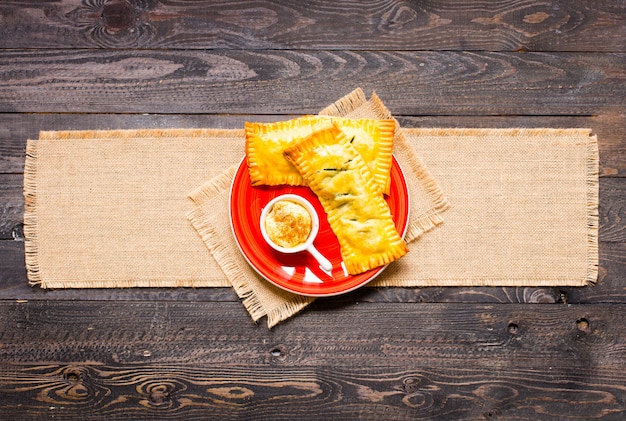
259 296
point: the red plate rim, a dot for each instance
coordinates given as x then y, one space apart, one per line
299 273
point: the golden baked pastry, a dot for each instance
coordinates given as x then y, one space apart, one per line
288 224
265 143
357 212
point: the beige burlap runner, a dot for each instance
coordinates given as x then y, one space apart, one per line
107 209
524 208
110 209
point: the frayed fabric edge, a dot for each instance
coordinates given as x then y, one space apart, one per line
593 194
138 134
31 247
345 105
223 255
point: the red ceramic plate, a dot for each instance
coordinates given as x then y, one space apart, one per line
300 273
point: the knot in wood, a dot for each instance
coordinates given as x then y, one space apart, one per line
73 374
118 15
158 397
513 328
411 384
583 325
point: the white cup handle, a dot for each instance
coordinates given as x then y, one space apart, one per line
324 262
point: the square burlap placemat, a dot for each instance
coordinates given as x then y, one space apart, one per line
210 217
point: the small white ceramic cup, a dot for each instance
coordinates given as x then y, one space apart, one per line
324 263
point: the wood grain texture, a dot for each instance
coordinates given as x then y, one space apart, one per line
612 208
297 82
613 212
179 391
568 25
11 206
17 127
461 362
608 289
611 286
373 354
222 333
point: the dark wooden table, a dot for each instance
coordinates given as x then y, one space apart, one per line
374 354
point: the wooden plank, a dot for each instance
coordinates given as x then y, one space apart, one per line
419 360
14 286
11 206
610 129
62 331
611 285
91 391
296 82
611 209
376 25
609 288
16 128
